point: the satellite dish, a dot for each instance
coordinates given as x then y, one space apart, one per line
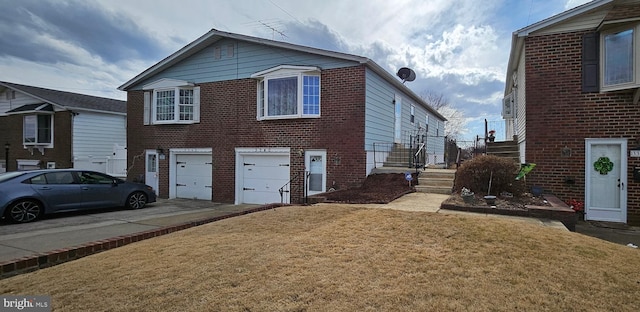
406 74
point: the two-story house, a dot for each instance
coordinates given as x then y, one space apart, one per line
572 98
234 118
44 128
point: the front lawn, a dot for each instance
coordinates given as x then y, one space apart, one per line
330 258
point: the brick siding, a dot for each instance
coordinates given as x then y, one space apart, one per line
228 120
61 153
559 117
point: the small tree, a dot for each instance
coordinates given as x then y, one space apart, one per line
474 174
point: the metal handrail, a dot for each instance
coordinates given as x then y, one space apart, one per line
287 189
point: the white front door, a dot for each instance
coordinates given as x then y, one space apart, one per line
316 171
606 180
398 120
151 171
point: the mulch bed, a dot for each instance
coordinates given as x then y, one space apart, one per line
379 188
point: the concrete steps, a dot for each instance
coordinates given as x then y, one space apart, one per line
399 157
436 181
433 181
506 149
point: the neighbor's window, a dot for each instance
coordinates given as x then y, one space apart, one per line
37 129
176 104
618 57
289 95
413 114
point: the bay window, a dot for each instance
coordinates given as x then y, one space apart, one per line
288 92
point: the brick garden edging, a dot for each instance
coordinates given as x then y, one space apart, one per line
58 256
557 211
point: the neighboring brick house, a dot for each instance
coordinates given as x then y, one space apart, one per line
234 118
572 99
47 128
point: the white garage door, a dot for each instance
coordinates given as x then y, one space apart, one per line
193 176
263 176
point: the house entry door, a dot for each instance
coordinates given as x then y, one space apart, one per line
151 169
606 180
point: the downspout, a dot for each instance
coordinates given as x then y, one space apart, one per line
73 157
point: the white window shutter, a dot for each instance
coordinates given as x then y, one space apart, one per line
196 104
147 108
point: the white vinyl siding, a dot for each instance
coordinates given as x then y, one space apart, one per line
380 112
19 100
521 111
585 22
95 134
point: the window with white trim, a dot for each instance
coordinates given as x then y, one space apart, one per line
170 101
173 105
619 66
38 129
413 114
618 58
288 92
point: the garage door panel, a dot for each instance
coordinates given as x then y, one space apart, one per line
264 185
194 176
263 176
260 172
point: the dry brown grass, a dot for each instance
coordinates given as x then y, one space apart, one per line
324 258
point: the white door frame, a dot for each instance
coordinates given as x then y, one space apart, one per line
307 164
155 182
241 152
622 184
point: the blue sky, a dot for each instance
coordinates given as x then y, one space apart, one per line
458 48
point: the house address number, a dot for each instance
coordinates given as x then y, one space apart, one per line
635 153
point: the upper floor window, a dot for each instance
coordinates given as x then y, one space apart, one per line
413 114
173 105
288 92
38 129
618 60
172 101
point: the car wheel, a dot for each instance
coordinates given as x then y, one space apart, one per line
24 211
136 200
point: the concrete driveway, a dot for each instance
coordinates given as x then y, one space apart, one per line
73 229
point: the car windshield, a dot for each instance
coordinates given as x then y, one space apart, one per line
10 175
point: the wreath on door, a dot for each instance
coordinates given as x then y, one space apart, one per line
603 165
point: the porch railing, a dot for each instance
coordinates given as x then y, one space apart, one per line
286 189
410 153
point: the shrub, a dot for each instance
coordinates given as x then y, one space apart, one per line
475 173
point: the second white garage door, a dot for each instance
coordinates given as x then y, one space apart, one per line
193 176
262 177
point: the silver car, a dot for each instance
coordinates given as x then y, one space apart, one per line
27 195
